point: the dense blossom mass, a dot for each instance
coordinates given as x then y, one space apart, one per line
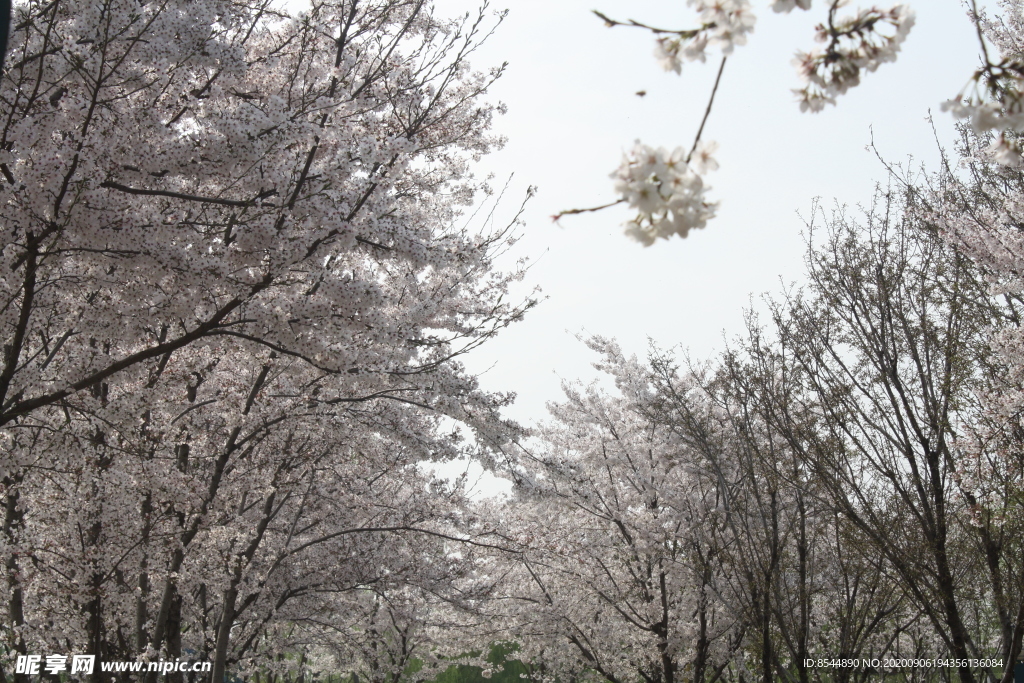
236 287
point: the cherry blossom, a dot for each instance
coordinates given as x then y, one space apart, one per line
852 44
666 191
724 24
788 5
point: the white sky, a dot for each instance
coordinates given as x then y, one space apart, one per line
570 90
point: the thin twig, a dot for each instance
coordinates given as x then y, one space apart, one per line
707 111
570 212
611 23
981 36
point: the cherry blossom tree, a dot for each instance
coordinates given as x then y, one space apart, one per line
669 532
843 482
616 576
240 174
883 372
236 295
974 202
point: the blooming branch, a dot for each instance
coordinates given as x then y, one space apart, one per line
666 189
853 44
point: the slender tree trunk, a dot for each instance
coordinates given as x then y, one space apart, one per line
13 516
141 638
227 620
959 637
805 600
95 630
1015 646
94 626
174 639
701 658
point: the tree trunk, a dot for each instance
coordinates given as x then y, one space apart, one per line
16 607
227 620
174 639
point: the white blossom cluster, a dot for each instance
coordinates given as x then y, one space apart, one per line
993 98
789 5
983 220
724 24
666 189
853 44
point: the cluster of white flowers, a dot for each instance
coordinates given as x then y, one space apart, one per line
666 189
865 41
724 24
999 109
788 5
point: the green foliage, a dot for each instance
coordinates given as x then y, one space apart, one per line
505 670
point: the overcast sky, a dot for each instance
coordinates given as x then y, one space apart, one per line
572 112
